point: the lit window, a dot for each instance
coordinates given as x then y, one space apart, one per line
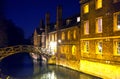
73 50
99 25
115 1
78 19
98 4
99 48
116 21
116 47
68 21
63 36
69 35
86 46
55 36
86 27
52 37
62 49
74 34
86 8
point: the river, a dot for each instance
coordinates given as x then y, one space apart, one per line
22 66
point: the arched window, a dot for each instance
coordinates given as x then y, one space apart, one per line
63 36
68 35
74 34
73 50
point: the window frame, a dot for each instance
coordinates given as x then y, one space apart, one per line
97 47
115 26
86 25
86 8
115 48
68 36
86 46
97 2
63 36
98 25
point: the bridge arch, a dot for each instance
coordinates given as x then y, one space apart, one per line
7 51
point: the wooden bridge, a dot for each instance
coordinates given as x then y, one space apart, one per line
4 52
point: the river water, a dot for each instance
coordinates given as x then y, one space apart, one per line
22 66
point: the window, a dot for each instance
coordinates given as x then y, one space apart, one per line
116 47
98 4
68 21
68 35
63 36
52 37
55 36
115 1
86 46
99 25
116 17
86 8
74 34
73 50
99 47
78 19
86 27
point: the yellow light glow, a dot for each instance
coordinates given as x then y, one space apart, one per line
59 41
86 8
53 46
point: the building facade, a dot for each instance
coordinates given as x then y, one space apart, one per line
90 41
39 38
100 40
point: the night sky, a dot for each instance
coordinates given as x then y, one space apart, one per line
28 13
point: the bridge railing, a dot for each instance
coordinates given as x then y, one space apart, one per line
22 48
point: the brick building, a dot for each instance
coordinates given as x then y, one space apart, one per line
100 40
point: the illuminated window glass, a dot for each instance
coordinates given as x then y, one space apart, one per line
73 50
78 19
74 34
116 21
86 46
99 25
86 8
63 36
98 4
52 37
55 36
115 1
86 27
99 48
69 35
117 47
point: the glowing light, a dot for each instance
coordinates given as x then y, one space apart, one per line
53 46
59 41
78 19
118 26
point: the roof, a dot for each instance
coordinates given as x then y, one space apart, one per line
66 23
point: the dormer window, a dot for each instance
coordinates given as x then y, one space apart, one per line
68 21
78 19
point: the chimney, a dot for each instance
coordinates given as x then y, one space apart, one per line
47 28
47 22
59 17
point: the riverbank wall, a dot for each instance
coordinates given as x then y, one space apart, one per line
102 70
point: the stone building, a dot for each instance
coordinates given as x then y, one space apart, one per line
63 37
100 40
90 41
39 35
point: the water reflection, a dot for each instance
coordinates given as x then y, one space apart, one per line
32 69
